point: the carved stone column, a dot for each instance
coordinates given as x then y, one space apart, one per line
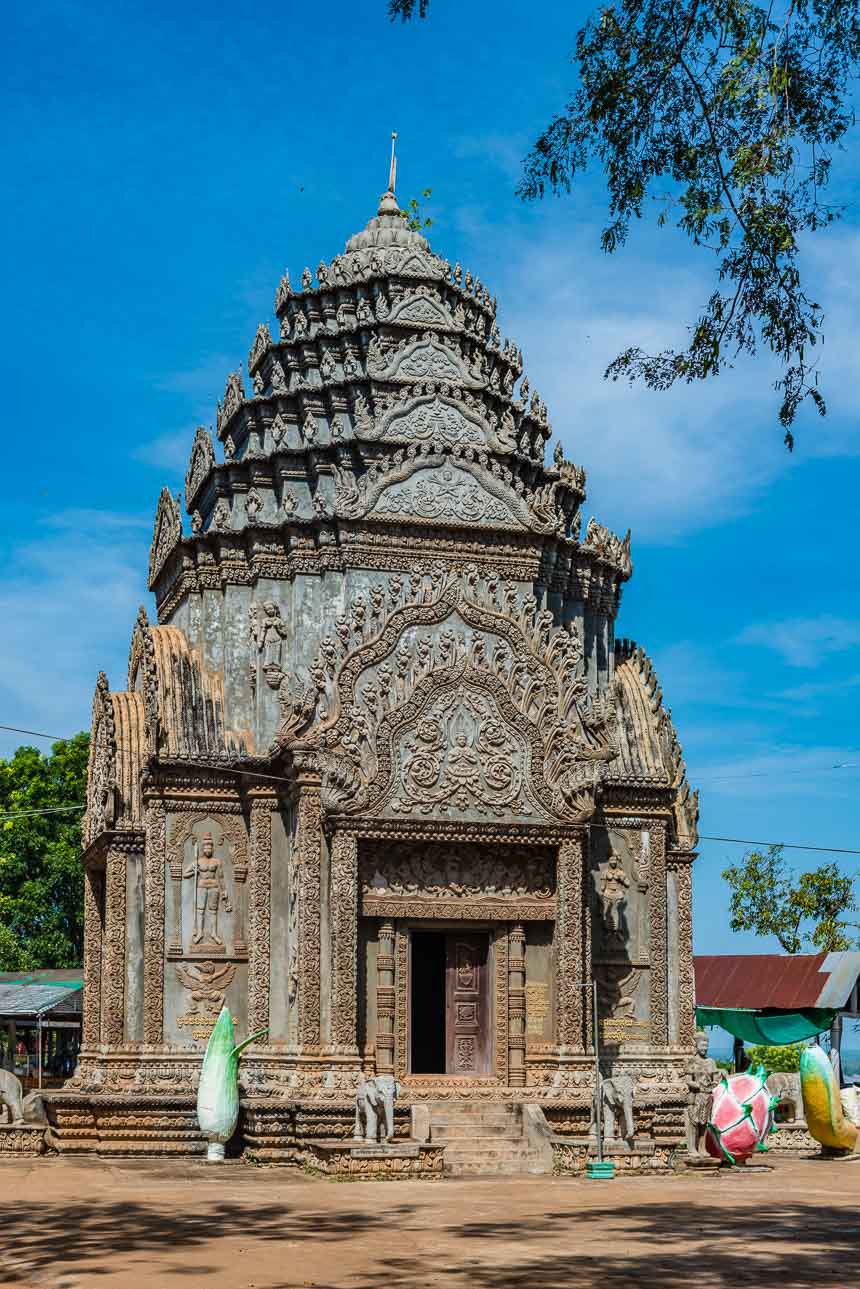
569 945
659 1001
681 871
385 999
259 905
93 933
153 957
344 950
309 859
113 969
517 1007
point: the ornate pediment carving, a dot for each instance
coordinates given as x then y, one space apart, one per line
424 359
201 462
234 396
262 344
608 547
448 495
166 535
101 772
461 699
460 487
422 308
430 418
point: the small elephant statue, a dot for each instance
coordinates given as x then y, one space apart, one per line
616 1102
12 1095
374 1108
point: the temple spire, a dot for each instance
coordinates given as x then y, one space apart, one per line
388 201
392 170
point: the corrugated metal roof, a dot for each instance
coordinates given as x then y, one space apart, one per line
26 998
757 980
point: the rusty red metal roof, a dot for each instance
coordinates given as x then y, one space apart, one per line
757 980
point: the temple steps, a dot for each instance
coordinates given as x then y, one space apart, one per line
484 1139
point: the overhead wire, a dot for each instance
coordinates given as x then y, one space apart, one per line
282 778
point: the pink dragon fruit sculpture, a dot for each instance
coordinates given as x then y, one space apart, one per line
741 1116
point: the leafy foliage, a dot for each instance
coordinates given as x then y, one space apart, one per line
41 880
412 213
725 114
768 900
784 1059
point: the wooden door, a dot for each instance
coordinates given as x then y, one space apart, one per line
467 1010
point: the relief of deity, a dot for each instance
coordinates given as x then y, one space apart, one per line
210 890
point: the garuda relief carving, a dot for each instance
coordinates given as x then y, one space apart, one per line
452 695
206 984
469 872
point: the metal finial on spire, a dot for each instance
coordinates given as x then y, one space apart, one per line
392 170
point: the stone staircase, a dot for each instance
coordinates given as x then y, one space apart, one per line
487 1139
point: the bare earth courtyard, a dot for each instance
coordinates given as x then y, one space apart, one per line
74 1224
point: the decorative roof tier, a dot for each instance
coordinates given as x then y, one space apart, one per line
386 394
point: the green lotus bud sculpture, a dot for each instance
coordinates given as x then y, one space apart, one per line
218 1093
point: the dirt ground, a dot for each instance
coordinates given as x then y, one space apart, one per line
79 1224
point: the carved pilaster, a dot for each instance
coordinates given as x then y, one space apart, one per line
344 953
681 863
113 970
153 953
309 849
659 951
385 999
93 933
569 946
517 1006
259 903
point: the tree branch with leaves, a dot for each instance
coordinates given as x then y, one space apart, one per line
800 912
724 115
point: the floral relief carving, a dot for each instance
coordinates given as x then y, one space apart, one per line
461 873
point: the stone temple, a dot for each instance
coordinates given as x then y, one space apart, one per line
382 777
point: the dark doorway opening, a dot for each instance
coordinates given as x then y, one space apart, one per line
428 1002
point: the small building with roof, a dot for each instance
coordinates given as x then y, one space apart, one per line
40 1024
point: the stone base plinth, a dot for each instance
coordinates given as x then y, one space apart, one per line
22 1139
571 1154
395 1159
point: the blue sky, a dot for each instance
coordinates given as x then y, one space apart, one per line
163 163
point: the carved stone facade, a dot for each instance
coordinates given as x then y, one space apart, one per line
381 779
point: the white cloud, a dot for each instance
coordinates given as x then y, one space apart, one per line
781 771
666 463
68 604
804 642
167 451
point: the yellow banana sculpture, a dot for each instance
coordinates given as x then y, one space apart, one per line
822 1104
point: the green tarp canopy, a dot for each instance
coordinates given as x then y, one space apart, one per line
768 1026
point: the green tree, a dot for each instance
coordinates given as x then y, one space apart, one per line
799 911
413 216
724 115
784 1059
41 880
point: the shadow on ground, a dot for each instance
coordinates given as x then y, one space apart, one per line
671 1243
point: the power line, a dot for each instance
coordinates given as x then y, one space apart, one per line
282 778
56 738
